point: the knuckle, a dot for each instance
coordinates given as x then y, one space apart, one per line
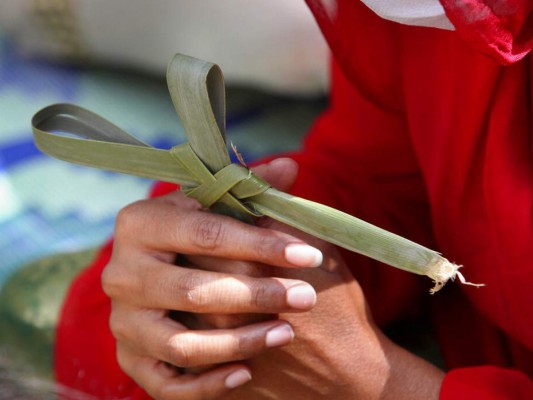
207 233
130 219
117 281
248 346
196 298
178 351
126 216
116 326
267 246
192 291
122 361
109 280
261 295
106 282
122 277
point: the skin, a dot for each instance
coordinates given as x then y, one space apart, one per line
238 330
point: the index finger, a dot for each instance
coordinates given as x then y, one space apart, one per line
167 226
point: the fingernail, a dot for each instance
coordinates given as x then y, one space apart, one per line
302 297
237 378
279 336
303 255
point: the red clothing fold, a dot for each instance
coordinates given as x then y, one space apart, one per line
501 29
425 136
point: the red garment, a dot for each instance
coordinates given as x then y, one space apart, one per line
426 136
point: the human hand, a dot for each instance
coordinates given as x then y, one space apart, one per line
338 351
144 285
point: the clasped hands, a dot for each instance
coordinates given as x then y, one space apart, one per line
245 312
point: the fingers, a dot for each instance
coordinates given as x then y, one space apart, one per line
143 281
162 382
166 340
192 231
154 284
216 264
280 173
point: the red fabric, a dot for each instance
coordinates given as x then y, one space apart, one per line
471 383
501 29
85 349
425 136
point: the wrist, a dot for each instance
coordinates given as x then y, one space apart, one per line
409 376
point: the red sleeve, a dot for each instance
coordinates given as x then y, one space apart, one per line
487 383
85 351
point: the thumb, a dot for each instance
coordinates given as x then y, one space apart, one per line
280 173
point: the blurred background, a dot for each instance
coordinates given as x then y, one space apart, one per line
110 56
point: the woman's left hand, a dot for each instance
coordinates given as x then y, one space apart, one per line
338 351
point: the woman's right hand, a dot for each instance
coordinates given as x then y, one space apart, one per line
147 287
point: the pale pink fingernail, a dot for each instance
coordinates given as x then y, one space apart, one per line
302 297
279 336
303 255
237 378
